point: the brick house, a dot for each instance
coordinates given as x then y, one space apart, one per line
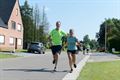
11 27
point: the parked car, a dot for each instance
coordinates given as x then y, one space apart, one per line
36 47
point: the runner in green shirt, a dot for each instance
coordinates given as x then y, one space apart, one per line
56 40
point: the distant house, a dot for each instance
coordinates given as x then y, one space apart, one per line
11 27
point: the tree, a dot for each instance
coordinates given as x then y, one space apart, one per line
114 38
42 24
86 39
93 44
113 34
28 25
35 24
45 22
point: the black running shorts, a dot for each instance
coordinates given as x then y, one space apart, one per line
56 49
72 51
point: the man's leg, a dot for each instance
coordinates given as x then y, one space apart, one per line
83 51
53 59
87 50
53 53
57 52
56 60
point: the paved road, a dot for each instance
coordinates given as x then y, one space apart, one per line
38 67
100 57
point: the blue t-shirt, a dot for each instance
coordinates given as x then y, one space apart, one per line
71 41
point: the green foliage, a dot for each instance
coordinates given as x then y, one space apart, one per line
2 56
35 24
92 43
86 40
113 34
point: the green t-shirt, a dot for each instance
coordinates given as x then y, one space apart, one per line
56 36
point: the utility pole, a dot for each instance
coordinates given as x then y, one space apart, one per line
105 37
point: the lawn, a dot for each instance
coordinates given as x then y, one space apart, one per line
2 56
117 52
21 50
101 71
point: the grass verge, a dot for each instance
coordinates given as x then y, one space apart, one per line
116 52
101 71
3 56
21 50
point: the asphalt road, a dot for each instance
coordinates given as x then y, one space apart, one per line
37 67
103 57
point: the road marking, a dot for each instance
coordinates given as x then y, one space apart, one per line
76 71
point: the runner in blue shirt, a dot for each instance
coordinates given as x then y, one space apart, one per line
72 41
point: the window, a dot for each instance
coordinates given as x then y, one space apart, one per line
13 24
19 42
16 12
11 41
2 39
19 27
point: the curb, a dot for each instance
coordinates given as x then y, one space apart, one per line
76 71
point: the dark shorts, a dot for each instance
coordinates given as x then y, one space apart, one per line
56 49
72 51
87 49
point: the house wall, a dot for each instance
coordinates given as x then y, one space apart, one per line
5 46
14 33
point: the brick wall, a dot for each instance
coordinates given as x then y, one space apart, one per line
15 33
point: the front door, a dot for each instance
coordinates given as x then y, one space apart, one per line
15 43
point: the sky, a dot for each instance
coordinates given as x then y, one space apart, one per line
83 16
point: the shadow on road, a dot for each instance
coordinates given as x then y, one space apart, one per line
35 70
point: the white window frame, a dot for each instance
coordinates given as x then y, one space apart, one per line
16 12
2 39
13 25
19 27
11 41
19 42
